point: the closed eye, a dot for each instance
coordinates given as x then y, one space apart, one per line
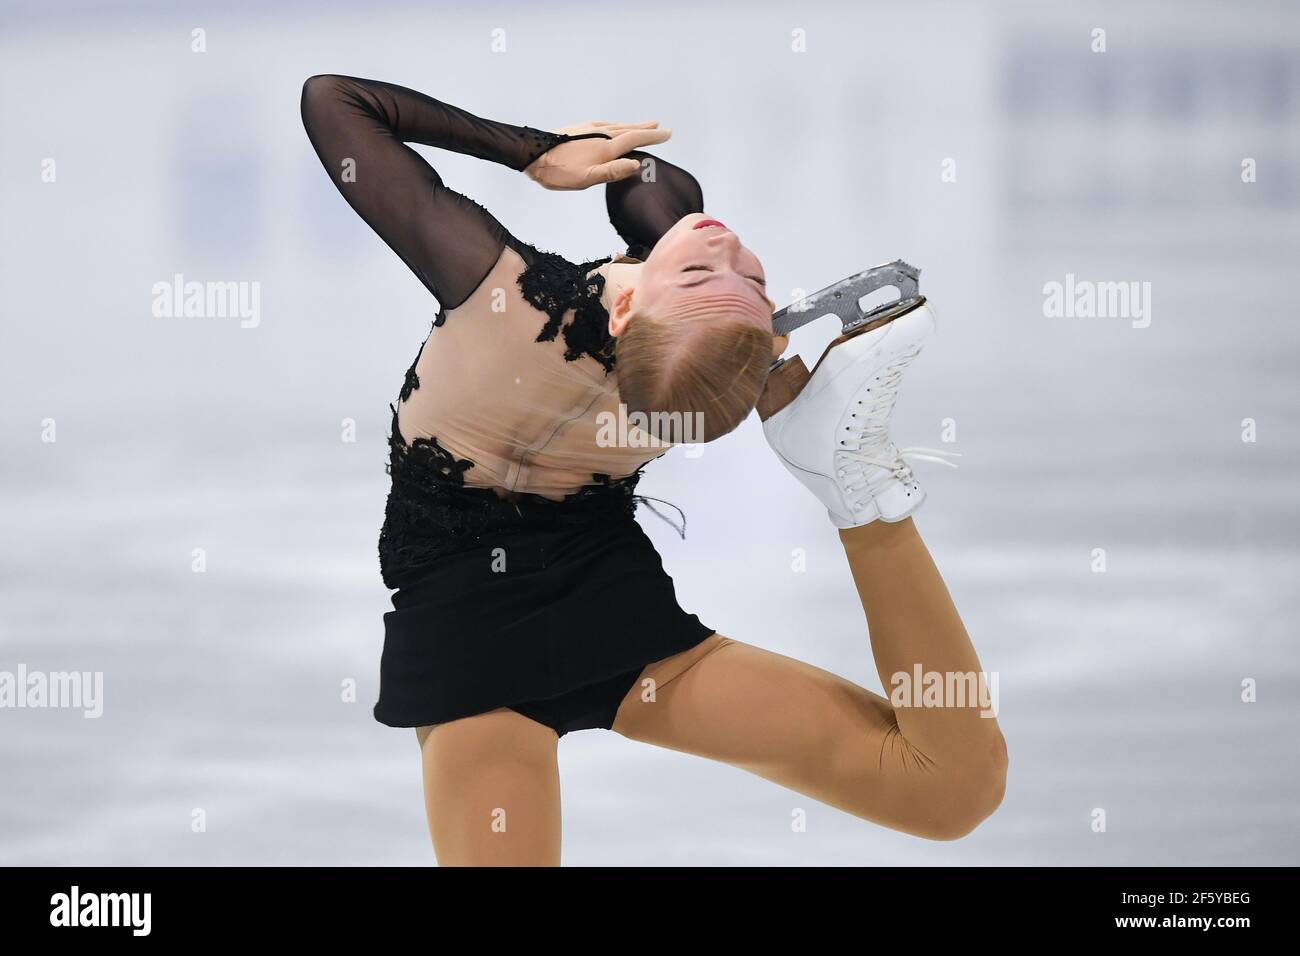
759 279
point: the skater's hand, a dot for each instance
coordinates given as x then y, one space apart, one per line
585 162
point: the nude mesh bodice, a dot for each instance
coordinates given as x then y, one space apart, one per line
510 388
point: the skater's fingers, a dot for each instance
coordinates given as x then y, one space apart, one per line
779 345
606 126
614 171
632 139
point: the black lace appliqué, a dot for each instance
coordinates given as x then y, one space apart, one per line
431 512
554 285
412 382
425 456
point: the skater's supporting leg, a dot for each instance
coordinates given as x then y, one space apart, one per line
492 791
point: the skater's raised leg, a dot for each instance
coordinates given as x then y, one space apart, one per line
935 766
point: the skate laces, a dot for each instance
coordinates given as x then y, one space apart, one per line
865 446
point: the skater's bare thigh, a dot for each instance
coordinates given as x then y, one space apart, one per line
801 727
492 790
738 703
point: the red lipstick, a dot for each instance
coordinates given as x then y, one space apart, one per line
708 222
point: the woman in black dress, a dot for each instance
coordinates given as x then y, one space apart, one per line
528 601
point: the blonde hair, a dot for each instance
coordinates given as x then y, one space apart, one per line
711 371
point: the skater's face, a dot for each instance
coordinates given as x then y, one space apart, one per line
699 270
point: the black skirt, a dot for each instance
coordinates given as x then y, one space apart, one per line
540 608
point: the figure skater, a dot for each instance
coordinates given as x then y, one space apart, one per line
528 602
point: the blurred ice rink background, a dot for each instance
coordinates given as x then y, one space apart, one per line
1120 690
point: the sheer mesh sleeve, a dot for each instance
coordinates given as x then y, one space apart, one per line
642 211
360 128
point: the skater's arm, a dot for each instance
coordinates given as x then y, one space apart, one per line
360 128
646 205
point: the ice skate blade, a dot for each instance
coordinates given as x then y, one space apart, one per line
842 299
787 377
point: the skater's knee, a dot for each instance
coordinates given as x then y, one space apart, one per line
976 792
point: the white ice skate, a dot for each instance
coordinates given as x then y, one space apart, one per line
830 427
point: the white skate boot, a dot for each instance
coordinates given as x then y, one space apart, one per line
830 427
